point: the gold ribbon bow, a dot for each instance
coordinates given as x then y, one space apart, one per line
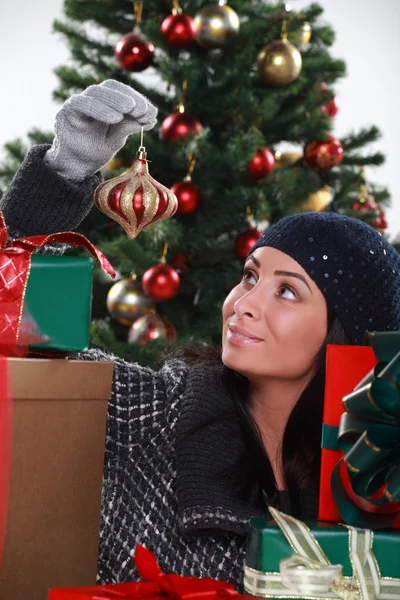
309 573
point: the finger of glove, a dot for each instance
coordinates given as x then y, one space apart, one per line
97 110
129 125
112 98
143 106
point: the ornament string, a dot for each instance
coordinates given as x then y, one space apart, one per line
182 96
164 253
191 165
176 9
284 30
138 9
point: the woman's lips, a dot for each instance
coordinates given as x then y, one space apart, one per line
240 337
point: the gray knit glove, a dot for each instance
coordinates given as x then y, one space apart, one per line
91 127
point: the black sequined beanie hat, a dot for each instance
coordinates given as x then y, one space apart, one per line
354 266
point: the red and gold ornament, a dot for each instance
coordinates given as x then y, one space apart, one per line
187 192
180 124
134 199
161 282
178 28
323 155
262 164
133 52
245 241
149 328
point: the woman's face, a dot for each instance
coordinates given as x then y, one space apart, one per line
274 320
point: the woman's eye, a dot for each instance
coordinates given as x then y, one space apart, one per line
288 292
248 276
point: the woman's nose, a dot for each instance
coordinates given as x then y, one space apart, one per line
247 306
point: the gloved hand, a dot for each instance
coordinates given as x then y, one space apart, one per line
91 127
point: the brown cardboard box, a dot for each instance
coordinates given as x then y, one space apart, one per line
60 409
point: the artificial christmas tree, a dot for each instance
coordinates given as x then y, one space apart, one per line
233 112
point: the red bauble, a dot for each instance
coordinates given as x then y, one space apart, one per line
179 30
189 197
261 165
180 263
134 53
380 222
161 282
331 108
323 155
245 241
179 125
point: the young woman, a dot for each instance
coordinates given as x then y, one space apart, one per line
195 449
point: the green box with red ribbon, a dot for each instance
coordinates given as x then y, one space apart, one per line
360 464
45 300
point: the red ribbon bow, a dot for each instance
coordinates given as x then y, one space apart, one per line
15 264
158 584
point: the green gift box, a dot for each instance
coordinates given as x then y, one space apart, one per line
57 303
286 558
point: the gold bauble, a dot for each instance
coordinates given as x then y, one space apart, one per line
126 301
317 201
151 327
216 25
279 63
301 35
286 159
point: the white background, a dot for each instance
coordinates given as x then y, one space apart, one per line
367 38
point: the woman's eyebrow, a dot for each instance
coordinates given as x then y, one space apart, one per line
292 274
255 261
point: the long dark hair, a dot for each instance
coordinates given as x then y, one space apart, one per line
302 437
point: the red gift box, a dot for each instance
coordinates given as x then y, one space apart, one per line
345 368
156 586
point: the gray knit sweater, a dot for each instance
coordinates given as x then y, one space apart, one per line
173 436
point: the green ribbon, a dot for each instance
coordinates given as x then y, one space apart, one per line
369 433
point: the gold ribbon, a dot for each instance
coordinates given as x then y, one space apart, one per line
308 574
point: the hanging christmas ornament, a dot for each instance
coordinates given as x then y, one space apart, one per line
180 263
133 52
246 240
161 282
187 192
323 155
302 35
367 206
330 108
180 124
134 199
126 301
216 24
286 159
279 63
318 200
178 29
261 165
149 328
380 223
